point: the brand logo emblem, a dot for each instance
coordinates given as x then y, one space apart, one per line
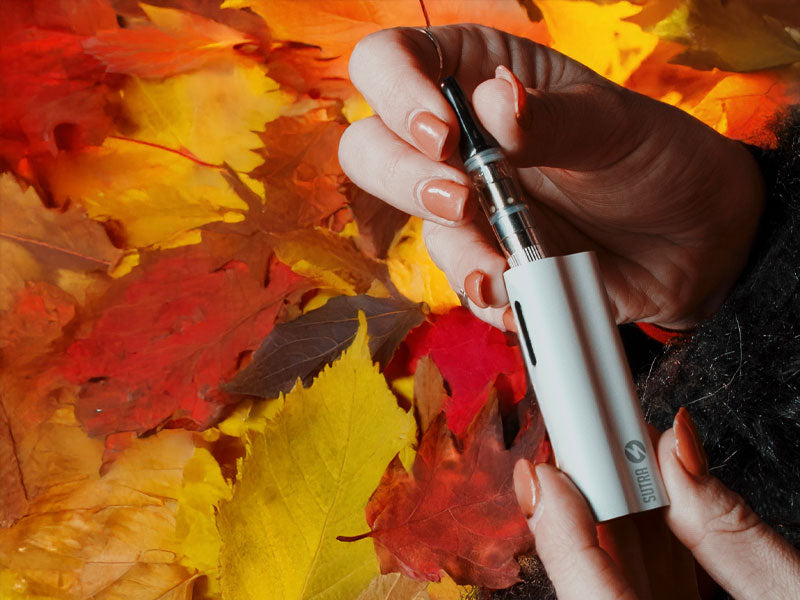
634 451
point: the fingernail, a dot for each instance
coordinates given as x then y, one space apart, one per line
445 199
475 285
688 447
508 320
521 111
429 133
528 491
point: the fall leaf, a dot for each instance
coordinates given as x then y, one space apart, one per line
330 259
395 586
167 336
413 273
52 94
598 35
59 238
109 536
306 479
429 393
179 42
712 31
473 357
300 348
457 511
377 221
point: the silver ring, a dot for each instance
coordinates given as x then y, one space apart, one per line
462 297
436 45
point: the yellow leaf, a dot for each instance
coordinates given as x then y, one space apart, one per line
153 196
305 480
214 113
88 535
413 273
597 36
329 258
195 524
395 586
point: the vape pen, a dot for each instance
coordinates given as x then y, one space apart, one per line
570 342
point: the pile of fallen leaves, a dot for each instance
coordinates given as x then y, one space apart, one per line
225 371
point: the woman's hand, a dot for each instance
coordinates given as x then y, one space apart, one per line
670 206
636 558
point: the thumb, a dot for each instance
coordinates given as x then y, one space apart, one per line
740 552
582 126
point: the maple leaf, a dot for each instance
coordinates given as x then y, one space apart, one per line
712 34
457 511
300 348
59 238
167 336
179 42
473 357
307 478
52 94
395 586
598 35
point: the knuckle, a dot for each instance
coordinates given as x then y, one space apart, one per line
734 517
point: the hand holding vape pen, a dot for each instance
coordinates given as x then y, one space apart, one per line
570 342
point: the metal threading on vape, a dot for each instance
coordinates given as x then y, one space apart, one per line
501 200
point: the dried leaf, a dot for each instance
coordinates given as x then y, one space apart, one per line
732 35
457 512
179 42
330 259
58 238
377 221
395 586
429 393
13 496
167 336
305 479
93 536
300 348
473 357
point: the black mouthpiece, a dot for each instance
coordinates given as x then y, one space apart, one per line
474 138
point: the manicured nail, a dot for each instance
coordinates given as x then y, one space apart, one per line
528 491
521 111
508 320
429 133
445 199
476 286
688 447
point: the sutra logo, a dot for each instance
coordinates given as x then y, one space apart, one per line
634 451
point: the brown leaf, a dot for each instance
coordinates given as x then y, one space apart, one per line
59 238
13 497
377 221
300 348
429 393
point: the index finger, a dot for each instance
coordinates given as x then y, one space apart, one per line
397 72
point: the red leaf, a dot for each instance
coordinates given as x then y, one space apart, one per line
457 511
471 356
169 336
52 94
180 42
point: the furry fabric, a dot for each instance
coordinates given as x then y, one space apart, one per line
739 373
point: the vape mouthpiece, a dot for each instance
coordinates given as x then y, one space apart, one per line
474 138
